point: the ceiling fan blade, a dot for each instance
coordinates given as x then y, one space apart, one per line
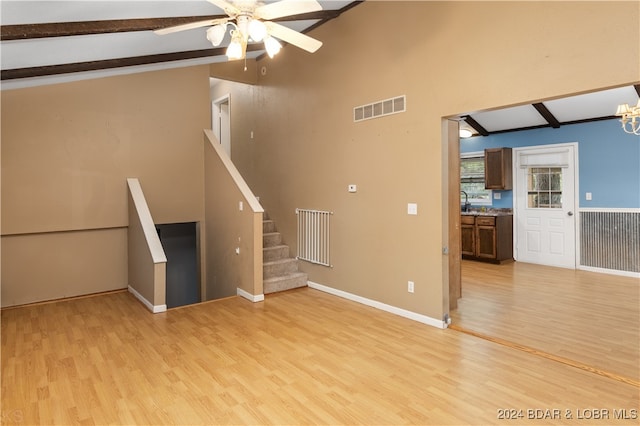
293 37
228 8
190 26
286 8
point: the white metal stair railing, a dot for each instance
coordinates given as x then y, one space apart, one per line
314 232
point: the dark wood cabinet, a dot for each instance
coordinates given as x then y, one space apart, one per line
467 233
497 168
487 238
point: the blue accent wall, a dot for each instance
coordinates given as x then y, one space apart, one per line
609 160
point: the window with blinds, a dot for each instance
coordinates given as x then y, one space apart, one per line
472 180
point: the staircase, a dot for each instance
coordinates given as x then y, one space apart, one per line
280 272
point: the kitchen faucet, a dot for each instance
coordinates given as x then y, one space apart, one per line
467 204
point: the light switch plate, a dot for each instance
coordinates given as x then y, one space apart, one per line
412 209
497 195
353 188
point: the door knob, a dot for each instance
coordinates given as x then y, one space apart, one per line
570 214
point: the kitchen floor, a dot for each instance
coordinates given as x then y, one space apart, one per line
587 317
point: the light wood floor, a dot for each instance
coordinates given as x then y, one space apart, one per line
300 357
588 317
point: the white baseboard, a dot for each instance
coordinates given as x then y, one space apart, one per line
609 271
250 297
379 305
153 308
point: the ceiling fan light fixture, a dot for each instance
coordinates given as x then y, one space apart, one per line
237 47
216 34
272 46
257 30
253 21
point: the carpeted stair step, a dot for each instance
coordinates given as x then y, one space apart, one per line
279 270
268 226
284 282
270 239
279 267
275 253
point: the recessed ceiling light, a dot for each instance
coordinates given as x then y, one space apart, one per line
465 133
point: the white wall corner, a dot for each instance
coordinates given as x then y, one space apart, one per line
250 297
379 305
153 308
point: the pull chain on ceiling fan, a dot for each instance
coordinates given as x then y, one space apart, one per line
253 22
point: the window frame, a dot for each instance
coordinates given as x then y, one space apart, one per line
474 201
549 191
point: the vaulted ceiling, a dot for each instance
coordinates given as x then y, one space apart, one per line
45 42
59 38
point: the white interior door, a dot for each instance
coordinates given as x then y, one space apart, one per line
221 122
545 205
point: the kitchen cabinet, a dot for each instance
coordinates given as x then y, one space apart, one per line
487 238
467 232
497 168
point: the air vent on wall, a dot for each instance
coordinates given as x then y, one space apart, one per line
380 109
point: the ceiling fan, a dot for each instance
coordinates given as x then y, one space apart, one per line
251 21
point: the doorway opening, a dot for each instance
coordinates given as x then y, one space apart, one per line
532 305
221 122
179 241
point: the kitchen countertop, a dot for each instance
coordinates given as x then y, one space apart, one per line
487 213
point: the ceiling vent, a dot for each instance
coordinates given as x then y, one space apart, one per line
380 108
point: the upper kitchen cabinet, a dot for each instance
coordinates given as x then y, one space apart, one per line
497 168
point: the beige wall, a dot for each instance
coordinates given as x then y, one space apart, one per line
67 150
448 58
40 267
228 228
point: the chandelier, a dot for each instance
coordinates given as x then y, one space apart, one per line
629 116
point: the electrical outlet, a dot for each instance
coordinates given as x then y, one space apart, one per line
588 196
241 205
410 285
412 209
497 195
